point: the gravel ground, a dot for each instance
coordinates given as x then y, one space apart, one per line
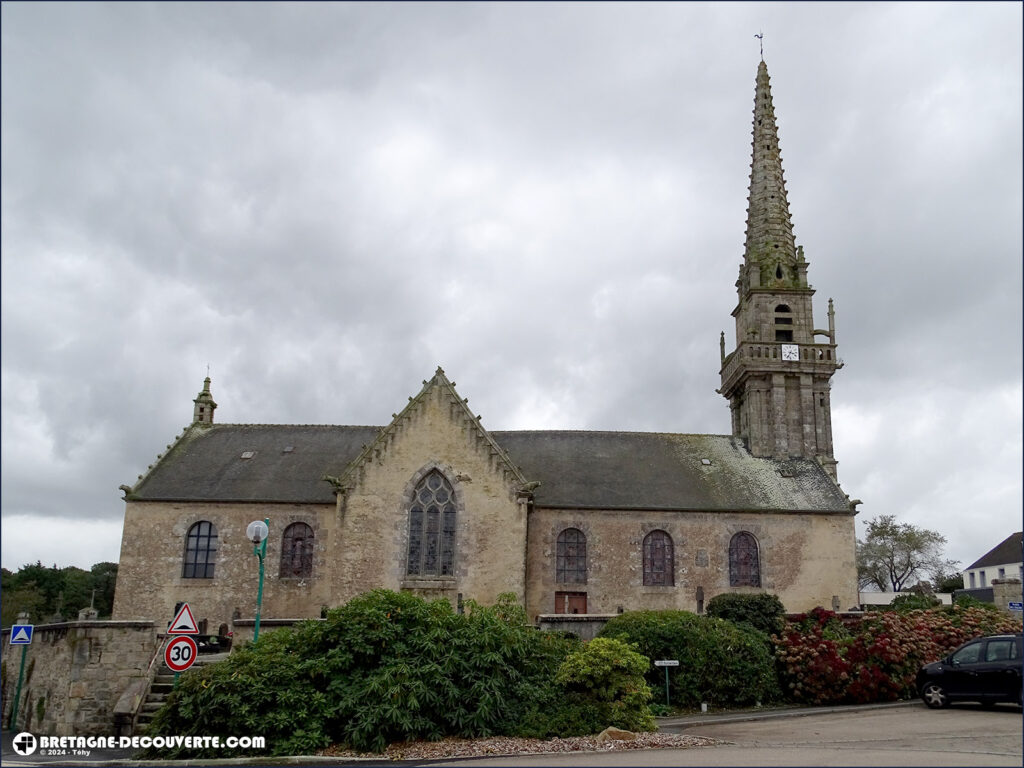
502 745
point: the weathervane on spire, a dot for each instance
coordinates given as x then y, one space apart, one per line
760 37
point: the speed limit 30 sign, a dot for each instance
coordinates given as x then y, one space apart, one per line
181 653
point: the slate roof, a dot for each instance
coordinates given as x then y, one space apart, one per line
1007 551
576 469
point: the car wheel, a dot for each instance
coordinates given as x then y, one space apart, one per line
934 696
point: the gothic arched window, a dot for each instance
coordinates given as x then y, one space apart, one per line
571 557
297 551
744 562
200 551
432 528
659 560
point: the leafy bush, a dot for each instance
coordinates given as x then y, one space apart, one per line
719 662
763 611
609 675
911 601
384 667
968 601
823 660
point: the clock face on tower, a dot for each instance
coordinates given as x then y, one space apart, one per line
790 352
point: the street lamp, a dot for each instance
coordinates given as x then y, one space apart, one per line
257 532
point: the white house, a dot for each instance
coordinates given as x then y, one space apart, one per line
1004 561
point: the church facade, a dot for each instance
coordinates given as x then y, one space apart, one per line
571 522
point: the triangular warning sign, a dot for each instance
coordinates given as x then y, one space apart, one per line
184 623
21 636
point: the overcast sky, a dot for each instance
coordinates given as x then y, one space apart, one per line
324 202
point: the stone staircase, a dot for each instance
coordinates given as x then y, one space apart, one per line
161 687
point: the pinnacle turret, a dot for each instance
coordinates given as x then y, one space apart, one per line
204 405
770 241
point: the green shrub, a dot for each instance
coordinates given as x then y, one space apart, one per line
763 612
911 601
968 601
384 667
719 662
609 675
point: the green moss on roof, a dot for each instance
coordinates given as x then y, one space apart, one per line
576 469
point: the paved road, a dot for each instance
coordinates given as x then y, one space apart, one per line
909 735
906 734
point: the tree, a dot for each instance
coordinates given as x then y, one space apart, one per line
893 555
949 582
57 594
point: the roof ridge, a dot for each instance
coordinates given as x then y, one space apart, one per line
318 426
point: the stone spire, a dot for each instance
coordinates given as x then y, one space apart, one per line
777 380
770 239
203 411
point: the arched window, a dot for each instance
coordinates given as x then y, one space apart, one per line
200 551
659 560
571 557
297 551
432 528
744 563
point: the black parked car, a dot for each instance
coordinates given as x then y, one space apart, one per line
987 669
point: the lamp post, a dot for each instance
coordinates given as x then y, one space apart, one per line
257 532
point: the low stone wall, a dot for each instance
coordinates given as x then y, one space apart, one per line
75 672
1006 591
886 598
584 625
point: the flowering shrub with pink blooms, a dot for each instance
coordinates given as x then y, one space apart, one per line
823 659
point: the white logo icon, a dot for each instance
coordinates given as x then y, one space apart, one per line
24 744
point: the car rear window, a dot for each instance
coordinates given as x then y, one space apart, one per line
1001 650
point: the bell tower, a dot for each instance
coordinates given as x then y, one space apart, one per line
202 413
777 380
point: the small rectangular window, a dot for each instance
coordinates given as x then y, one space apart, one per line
981 578
973 584
999 650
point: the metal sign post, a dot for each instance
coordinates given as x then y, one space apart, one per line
21 634
666 663
184 647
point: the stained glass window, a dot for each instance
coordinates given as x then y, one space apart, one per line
432 528
297 551
744 562
659 560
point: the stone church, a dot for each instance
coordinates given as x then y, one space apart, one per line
571 522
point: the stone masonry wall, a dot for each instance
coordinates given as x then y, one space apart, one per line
1006 591
149 578
75 672
490 546
360 543
805 559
